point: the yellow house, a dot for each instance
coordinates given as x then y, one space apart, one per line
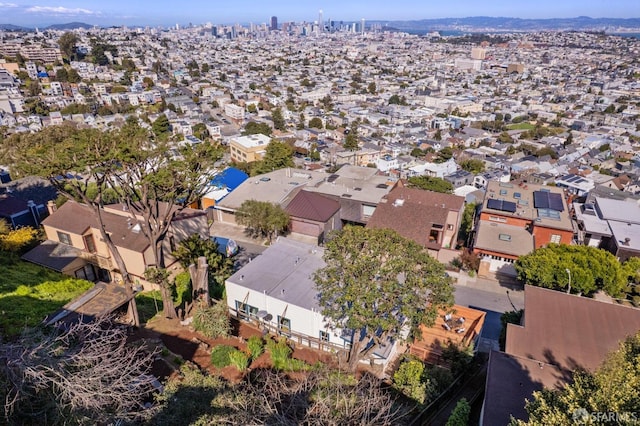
248 148
75 228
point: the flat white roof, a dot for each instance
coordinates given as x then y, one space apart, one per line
618 210
252 141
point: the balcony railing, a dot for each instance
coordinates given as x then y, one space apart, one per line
297 338
99 261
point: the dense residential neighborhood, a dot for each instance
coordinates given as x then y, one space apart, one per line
453 217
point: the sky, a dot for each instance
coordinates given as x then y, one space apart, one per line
171 12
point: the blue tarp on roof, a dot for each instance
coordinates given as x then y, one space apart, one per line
230 178
43 75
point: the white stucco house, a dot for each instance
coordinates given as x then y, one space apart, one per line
276 290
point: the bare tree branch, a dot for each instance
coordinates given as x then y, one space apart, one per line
86 373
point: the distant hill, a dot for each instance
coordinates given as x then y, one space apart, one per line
11 27
70 26
479 23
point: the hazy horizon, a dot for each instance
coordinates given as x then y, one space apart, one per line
166 13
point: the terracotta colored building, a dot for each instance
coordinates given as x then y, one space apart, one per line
516 219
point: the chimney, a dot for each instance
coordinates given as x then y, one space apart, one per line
51 207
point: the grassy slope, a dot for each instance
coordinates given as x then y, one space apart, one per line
29 292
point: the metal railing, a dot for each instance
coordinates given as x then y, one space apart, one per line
297 338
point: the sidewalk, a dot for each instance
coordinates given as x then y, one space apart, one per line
497 284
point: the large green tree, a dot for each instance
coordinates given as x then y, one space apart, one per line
351 142
376 285
253 128
278 155
472 165
430 183
613 388
157 186
278 119
67 43
161 126
591 269
154 185
262 218
59 151
316 122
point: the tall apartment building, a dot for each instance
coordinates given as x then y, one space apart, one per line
274 23
32 52
248 148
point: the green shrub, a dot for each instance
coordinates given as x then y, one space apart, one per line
213 322
182 288
256 346
220 355
408 380
436 380
239 359
460 414
293 364
279 352
459 357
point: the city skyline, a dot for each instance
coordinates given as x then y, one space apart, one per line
165 13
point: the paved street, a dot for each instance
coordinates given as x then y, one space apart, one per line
492 296
491 299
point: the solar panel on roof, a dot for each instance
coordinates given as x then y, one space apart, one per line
547 200
509 206
540 200
332 178
555 202
504 206
494 204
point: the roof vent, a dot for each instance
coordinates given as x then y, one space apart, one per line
627 241
399 202
136 228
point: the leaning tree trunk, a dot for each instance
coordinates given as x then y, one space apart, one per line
168 307
355 353
359 350
117 257
200 281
